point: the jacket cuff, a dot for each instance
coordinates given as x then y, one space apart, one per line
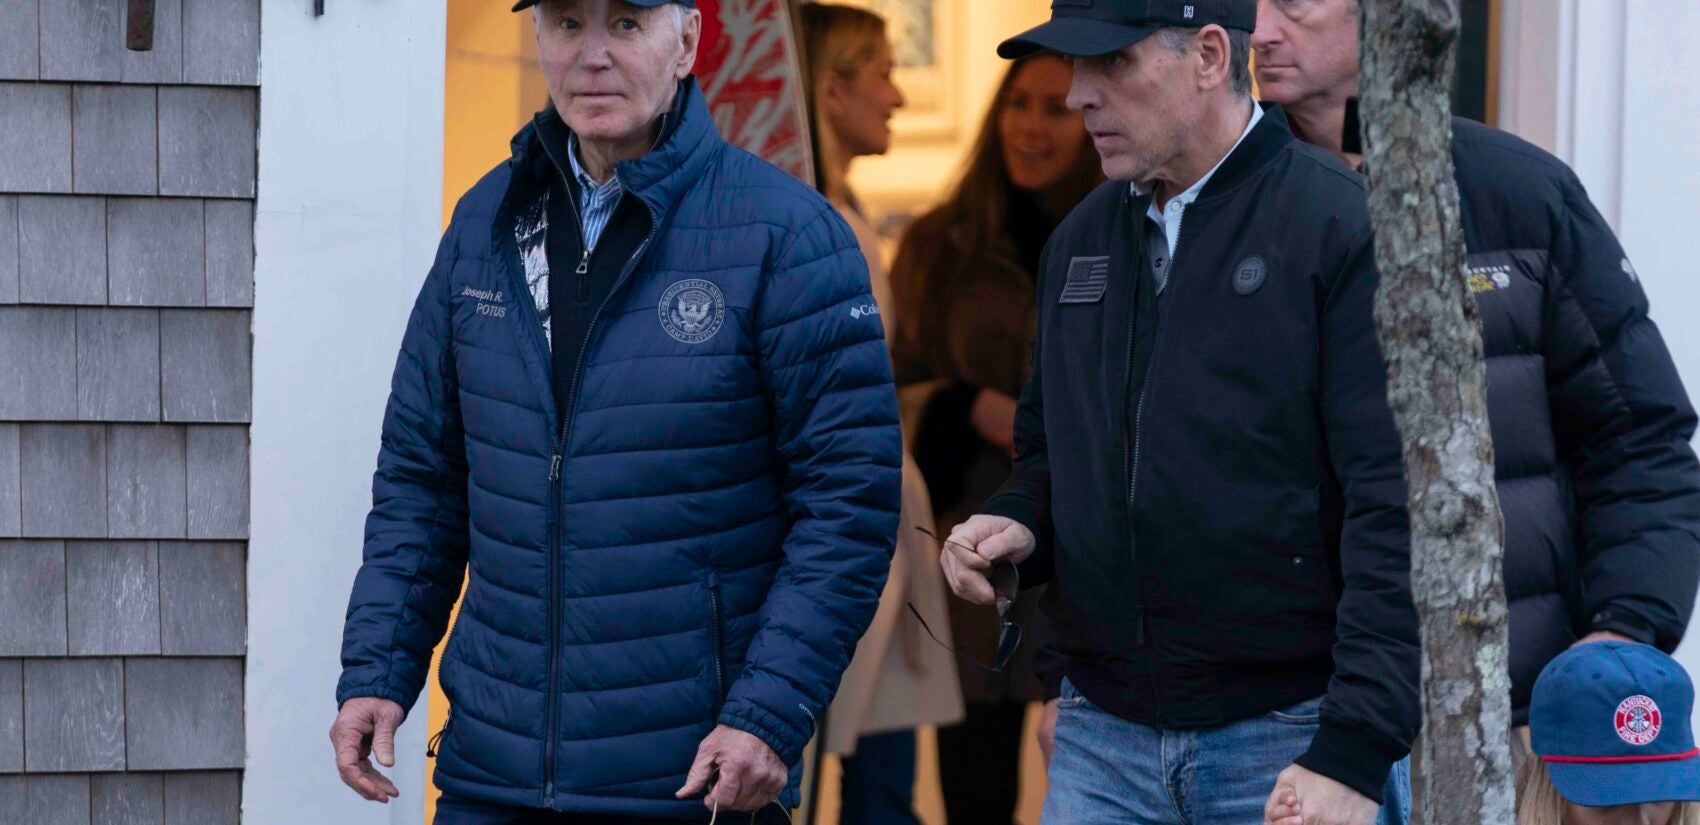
778 734
1352 757
1617 618
380 690
1037 569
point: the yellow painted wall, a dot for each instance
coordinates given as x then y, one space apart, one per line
492 87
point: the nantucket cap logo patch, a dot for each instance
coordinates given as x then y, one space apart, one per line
692 311
1638 720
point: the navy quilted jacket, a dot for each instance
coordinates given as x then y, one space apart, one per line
700 539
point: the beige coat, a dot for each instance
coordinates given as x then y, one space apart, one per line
898 678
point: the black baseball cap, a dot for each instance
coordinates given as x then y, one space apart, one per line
1088 28
522 5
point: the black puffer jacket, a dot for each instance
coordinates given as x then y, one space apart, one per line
1591 427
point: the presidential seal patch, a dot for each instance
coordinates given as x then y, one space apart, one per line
1638 720
692 311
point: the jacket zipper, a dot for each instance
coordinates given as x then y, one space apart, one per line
556 456
432 748
1136 441
717 632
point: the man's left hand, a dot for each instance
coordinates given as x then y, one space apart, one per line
1303 797
750 773
1602 636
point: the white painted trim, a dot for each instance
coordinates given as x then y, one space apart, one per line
1591 123
1529 79
347 219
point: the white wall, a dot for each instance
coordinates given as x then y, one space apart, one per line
1608 85
349 211
1659 168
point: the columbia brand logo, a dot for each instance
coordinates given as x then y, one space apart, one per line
864 311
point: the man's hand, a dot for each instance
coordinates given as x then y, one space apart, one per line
1048 731
366 725
750 775
1302 797
1602 636
977 544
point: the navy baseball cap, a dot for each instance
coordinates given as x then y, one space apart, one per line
522 5
1611 720
1088 28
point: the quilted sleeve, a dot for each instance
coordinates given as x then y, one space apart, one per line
1623 422
416 533
828 381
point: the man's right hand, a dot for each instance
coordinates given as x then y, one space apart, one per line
366 725
975 546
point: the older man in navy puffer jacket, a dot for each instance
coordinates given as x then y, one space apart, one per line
642 401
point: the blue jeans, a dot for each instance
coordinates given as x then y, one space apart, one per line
1109 771
879 781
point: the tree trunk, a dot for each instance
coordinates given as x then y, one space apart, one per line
1431 338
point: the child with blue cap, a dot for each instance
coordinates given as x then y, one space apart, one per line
1610 728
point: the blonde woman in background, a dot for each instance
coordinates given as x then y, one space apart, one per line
898 679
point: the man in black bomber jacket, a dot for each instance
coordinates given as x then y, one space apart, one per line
1599 487
1208 473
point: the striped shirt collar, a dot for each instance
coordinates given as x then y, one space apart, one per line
587 185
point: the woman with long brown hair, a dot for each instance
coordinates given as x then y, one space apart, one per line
963 287
897 680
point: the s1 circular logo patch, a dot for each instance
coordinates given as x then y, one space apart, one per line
1638 720
692 311
1249 275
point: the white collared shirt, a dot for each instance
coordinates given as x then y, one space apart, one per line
1169 215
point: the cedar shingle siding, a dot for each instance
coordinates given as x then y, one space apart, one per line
126 293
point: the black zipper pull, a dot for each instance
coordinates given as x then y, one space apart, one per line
432 747
555 467
1139 626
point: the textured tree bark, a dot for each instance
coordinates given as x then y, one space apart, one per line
1431 338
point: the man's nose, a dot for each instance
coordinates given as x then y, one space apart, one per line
1080 94
1268 31
593 50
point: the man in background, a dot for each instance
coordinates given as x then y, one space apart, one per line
1597 482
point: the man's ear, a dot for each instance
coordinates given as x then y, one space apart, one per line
1214 63
690 33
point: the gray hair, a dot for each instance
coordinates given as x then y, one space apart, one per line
1176 39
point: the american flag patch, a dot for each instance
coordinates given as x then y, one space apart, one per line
1087 279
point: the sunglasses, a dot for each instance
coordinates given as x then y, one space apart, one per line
1006 583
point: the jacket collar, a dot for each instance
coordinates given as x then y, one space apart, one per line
660 177
1266 140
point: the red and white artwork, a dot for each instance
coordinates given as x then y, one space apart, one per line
748 69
